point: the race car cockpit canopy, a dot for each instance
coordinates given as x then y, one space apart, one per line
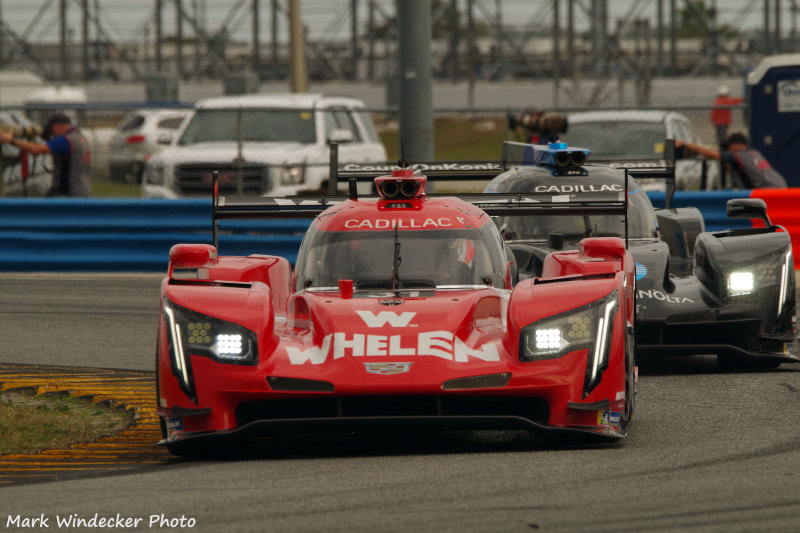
598 180
439 256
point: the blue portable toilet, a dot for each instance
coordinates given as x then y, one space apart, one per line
773 95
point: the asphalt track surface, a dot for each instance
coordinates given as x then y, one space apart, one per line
709 450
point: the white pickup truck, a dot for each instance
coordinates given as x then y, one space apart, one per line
261 144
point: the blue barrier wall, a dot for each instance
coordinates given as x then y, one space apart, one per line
111 235
711 203
135 235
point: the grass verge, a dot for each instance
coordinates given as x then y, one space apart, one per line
114 189
30 423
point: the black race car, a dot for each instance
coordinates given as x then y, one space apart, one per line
729 293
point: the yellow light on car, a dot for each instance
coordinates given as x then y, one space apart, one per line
199 332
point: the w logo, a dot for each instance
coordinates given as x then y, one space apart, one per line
396 320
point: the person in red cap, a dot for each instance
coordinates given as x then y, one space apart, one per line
72 156
721 112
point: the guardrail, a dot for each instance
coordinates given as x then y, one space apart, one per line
135 235
711 203
109 235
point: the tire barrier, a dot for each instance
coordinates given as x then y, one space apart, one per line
135 235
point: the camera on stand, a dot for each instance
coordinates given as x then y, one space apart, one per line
543 127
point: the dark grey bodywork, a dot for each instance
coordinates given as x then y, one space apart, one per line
685 305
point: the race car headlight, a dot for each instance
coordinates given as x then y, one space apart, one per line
290 175
207 336
558 335
740 283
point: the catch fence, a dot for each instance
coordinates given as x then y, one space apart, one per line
235 143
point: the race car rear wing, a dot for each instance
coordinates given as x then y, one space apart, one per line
494 204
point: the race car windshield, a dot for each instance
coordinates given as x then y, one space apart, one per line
428 259
618 138
252 125
573 228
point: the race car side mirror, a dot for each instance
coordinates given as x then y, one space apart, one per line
184 257
748 208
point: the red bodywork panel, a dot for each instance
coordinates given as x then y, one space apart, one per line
448 346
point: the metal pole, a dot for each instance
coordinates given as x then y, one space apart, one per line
673 38
660 48
454 35
471 55
767 36
179 38
556 54
416 101
2 62
498 39
298 49
62 33
274 18
159 34
256 36
85 38
354 39
778 26
571 37
714 38
371 32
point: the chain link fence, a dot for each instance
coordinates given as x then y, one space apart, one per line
287 150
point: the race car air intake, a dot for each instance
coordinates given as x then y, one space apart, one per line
562 159
390 189
577 158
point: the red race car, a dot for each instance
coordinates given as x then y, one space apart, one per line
401 311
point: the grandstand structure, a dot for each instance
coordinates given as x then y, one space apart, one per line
76 41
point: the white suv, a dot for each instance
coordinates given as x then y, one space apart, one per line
262 144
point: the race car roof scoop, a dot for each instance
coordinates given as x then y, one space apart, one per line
403 184
565 159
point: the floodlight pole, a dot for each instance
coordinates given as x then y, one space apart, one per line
416 99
